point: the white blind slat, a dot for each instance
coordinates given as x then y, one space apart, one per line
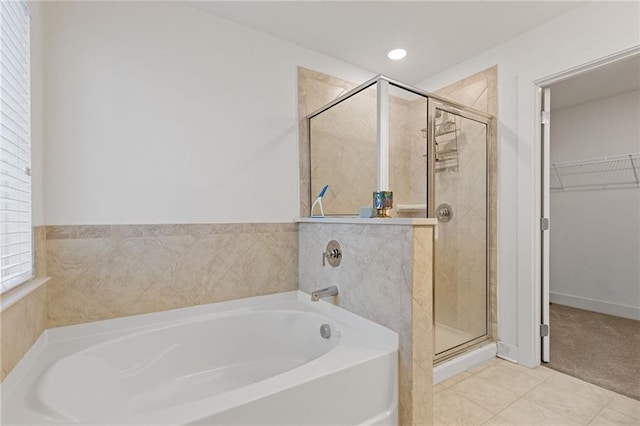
16 248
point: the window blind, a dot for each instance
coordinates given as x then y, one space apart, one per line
16 255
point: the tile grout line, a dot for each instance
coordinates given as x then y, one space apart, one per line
598 413
527 394
521 396
469 401
618 411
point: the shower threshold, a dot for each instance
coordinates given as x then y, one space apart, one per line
486 351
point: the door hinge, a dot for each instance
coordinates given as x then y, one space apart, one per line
545 117
544 223
544 330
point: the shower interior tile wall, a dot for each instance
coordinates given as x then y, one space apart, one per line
407 164
102 272
346 156
461 243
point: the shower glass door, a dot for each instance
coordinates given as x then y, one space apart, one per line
459 200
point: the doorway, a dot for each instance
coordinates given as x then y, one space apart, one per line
590 230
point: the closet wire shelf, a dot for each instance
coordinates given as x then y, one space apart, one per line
598 173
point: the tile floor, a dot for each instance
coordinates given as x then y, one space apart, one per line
501 393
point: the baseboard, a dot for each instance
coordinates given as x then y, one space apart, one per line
624 311
463 362
507 351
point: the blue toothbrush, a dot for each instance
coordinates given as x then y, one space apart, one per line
319 202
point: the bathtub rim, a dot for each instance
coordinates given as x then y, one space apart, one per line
191 313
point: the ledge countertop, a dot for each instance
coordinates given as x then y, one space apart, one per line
369 221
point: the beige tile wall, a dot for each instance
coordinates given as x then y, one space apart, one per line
24 321
101 272
416 168
479 91
407 166
385 276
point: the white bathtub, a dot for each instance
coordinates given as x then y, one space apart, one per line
254 361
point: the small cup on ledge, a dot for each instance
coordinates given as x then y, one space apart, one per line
383 202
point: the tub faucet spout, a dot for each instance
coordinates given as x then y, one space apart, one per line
325 292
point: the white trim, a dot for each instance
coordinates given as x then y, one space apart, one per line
545 212
529 191
609 308
507 351
14 295
589 66
463 362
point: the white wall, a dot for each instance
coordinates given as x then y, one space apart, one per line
162 113
37 148
595 234
571 40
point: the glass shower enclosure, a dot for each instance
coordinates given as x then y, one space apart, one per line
433 154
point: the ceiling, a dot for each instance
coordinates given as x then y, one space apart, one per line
436 34
608 80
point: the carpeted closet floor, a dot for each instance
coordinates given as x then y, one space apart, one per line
597 348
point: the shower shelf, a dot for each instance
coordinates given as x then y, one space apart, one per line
449 152
411 208
446 148
598 173
446 128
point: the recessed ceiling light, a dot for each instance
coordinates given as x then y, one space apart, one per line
397 54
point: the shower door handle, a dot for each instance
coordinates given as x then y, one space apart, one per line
444 213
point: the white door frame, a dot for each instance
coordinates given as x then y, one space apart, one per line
545 213
541 252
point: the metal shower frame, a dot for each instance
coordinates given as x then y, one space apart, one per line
433 101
